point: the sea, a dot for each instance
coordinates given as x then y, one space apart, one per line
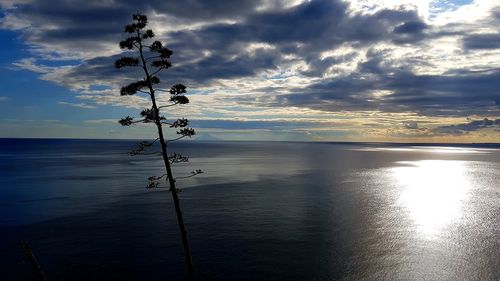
260 211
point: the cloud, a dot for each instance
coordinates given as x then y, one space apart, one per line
474 125
304 30
102 121
482 41
410 27
31 65
411 125
320 57
62 29
457 93
3 98
260 124
78 105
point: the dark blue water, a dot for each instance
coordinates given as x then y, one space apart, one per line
261 211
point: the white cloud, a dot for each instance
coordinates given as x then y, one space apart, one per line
78 105
101 121
31 65
473 13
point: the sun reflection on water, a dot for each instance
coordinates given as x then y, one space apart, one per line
433 192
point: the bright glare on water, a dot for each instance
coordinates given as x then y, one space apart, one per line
433 192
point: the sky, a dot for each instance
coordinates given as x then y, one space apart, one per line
297 70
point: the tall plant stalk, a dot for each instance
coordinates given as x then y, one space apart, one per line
152 62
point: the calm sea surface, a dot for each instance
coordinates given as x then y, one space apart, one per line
261 211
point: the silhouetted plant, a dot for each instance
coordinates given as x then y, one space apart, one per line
155 61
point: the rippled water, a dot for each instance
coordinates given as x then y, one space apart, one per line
261 211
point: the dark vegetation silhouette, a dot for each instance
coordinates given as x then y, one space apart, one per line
30 258
153 58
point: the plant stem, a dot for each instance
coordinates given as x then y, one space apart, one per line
170 178
33 261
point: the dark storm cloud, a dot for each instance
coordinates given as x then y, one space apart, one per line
71 22
315 26
482 41
94 12
474 125
411 27
199 9
455 94
318 66
83 25
411 32
192 74
223 67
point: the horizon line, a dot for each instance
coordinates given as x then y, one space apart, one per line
277 141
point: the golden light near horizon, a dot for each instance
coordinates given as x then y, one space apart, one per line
432 192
